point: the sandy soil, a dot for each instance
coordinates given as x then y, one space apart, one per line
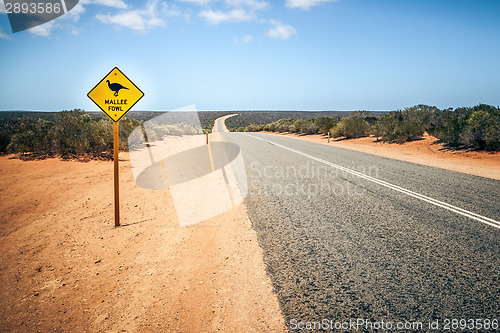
425 152
65 267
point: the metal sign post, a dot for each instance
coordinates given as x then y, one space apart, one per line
116 172
115 95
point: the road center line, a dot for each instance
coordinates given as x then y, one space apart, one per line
458 210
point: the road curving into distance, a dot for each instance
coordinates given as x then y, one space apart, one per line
348 235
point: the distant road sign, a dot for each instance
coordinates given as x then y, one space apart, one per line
115 94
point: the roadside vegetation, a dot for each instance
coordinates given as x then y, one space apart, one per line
476 128
78 134
69 134
246 118
89 135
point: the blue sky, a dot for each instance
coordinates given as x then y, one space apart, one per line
259 55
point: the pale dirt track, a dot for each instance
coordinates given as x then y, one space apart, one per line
64 267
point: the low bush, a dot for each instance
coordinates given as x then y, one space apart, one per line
326 123
395 129
34 136
72 134
350 128
472 128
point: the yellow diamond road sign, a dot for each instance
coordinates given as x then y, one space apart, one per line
115 94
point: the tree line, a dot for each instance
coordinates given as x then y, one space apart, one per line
475 127
67 134
76 134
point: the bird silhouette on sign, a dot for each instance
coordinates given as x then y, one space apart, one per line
116 87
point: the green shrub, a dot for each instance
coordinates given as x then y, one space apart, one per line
326 123
127 125
377 129
423 114
474 128
7 131
255 128
404 131
72 134
350 128
270 127
33 136
283 125
304 126
398 127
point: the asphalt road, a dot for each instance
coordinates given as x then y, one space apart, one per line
338 246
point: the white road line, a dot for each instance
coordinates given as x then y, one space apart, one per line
458 210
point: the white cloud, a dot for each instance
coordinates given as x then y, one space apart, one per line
42 30
245 39
187 15
239 11
75 13
170 11
305 4
140 19
137 19
198 2
280 30
235 10
253 4
3 35
111 3
234 15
